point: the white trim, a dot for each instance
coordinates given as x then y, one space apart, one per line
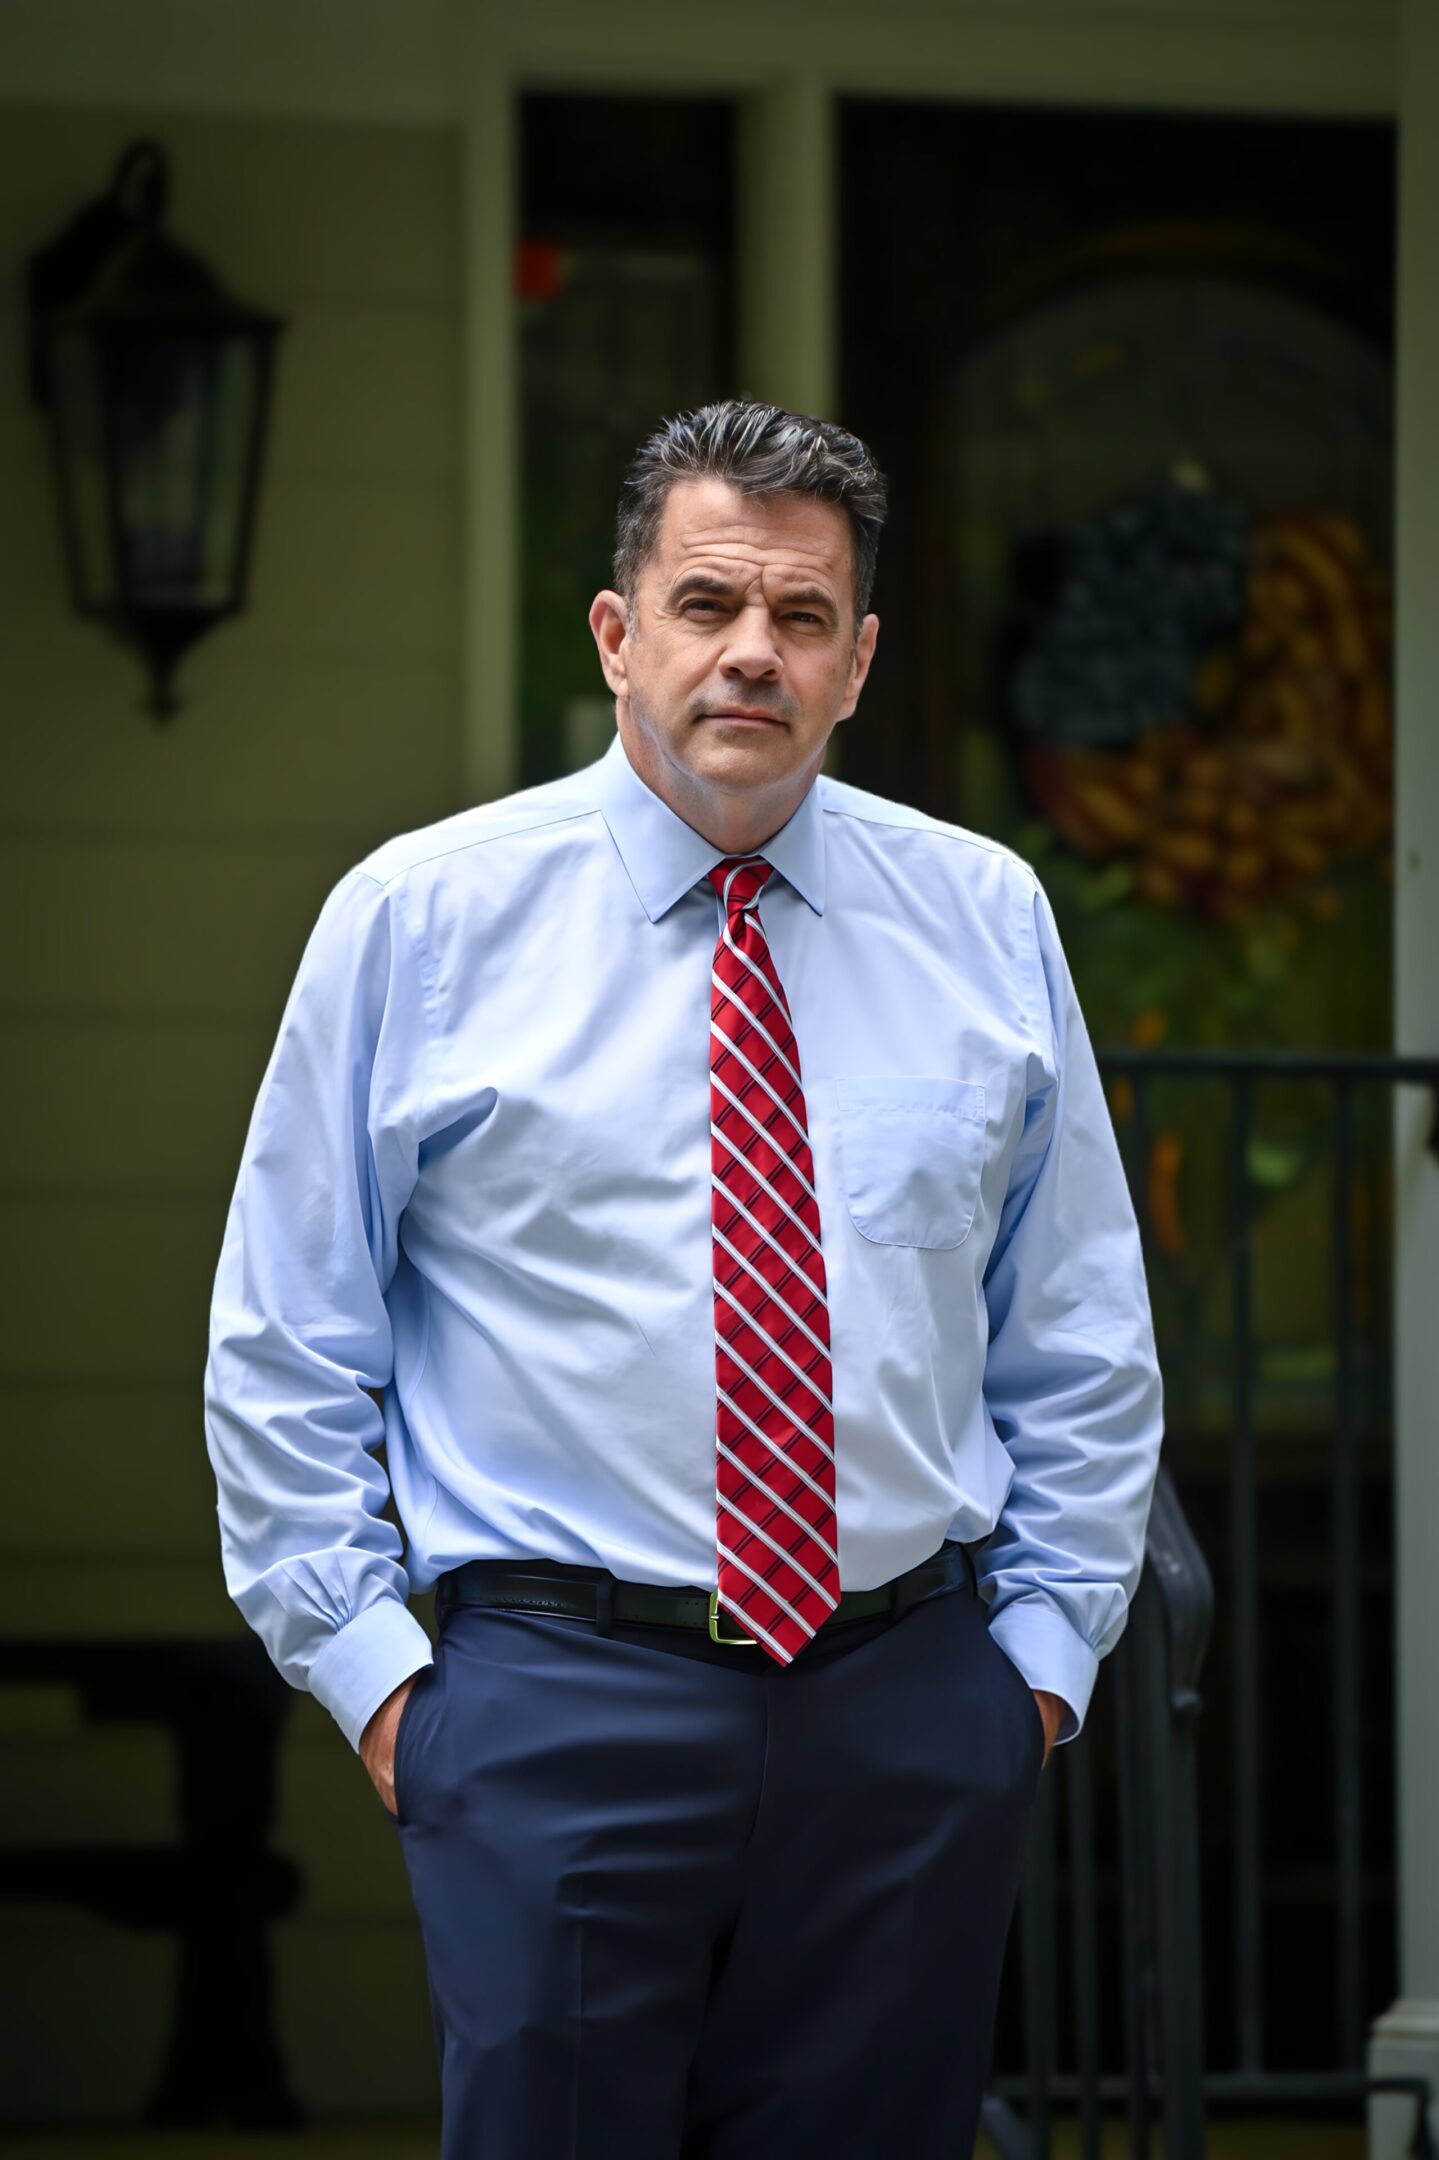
490 592
1404 2042
788 200
373 60
363 61
1406 2039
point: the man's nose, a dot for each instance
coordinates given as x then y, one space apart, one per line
752 644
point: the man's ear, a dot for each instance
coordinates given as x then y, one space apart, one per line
609 620
859 664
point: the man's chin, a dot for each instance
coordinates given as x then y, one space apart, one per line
754 757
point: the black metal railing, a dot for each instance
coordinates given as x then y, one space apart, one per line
1152 1685
1132 1991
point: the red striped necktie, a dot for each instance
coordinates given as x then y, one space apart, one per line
778 1560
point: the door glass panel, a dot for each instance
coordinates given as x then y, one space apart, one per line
625 272
1131 377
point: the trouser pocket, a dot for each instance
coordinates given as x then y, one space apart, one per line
399 1769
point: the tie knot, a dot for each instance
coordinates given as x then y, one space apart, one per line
739 880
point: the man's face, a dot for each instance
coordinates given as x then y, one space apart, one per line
740 656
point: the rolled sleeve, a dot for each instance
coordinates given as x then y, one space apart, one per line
1034 1634
354 1670
1072 1382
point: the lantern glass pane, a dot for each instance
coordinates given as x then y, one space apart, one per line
78 437
185 416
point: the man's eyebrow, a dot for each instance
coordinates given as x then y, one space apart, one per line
704 581
808 596
701 581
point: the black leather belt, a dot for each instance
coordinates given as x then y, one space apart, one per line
583 1593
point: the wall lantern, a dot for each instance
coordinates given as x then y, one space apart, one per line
157 384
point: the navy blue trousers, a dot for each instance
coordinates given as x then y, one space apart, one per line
681 1903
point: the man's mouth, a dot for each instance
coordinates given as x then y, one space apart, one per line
745 719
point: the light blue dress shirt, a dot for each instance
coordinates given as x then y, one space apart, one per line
477 1176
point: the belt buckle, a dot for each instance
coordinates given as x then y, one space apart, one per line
715 1635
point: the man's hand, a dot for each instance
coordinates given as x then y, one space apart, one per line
377 1743
1051 1709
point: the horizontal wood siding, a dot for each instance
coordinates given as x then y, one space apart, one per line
161 883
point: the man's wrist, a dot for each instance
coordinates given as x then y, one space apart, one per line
360 1667
1052 1656
1053 1710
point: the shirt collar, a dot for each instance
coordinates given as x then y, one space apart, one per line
664 856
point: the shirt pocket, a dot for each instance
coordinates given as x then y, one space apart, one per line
911 1153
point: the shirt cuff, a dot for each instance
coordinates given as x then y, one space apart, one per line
1037 1638
366 1661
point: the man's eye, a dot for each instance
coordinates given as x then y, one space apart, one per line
700 603
801 616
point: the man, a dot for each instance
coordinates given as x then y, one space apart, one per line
708 1161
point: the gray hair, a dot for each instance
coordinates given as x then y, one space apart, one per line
761 450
